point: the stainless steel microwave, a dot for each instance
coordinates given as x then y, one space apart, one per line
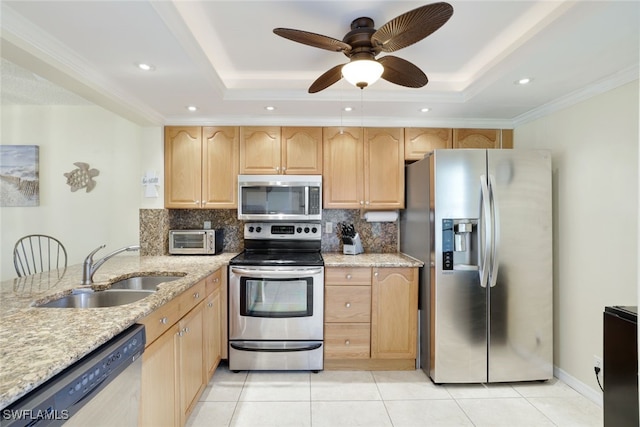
195 242
280 197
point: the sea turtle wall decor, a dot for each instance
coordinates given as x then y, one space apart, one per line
82 177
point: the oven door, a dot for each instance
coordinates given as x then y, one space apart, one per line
276 303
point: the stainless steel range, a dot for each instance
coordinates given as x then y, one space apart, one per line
276 298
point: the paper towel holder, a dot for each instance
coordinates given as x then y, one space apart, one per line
381 216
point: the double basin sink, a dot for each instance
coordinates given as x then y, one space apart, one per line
125 291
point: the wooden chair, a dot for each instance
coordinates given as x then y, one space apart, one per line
37 253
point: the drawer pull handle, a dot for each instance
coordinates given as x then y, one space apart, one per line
348 276
347 342
164 320
348 305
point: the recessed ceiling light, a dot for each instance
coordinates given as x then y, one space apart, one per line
270 108
192 108
523 81
347 109
145 67
425 110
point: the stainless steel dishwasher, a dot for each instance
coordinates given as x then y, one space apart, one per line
101 389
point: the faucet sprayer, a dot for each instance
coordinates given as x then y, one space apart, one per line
89 267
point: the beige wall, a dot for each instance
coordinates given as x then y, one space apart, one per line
119 149
595 194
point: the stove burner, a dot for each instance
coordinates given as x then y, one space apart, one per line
277 258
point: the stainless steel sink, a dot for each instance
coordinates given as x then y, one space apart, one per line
143 282
108 298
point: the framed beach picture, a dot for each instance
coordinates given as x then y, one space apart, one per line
19 175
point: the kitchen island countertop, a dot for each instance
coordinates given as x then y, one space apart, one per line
38 343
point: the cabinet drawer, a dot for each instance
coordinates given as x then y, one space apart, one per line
348 276
347 340
213 281
160 320
191 297
347 304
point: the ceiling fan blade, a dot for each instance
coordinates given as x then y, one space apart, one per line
313 39
327 79
402 72
411 27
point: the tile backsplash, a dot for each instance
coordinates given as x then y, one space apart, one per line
377 237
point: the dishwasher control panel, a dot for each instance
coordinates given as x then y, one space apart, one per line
57 400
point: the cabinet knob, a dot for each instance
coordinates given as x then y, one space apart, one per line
367 203
164 320
348 305
210 304
196 295
284 169
347 342
197 202
362 202
277 168
180 333
348 276
216 280
375 274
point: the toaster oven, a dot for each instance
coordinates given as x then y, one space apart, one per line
195 242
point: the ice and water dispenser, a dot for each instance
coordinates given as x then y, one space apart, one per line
460 244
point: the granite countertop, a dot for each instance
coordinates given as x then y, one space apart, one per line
38 343
337 259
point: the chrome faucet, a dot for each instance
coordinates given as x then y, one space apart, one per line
89 267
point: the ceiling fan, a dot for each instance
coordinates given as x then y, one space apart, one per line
363 43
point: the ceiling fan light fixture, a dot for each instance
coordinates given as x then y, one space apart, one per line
362 72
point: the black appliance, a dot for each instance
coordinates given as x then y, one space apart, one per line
621 366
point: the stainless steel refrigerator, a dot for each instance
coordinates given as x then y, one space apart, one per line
481 221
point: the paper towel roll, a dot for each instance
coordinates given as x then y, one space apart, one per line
381 216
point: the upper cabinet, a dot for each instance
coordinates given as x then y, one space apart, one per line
482 138
363 168
418 142
201 167
271 150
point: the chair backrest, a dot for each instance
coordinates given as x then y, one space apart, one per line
37 253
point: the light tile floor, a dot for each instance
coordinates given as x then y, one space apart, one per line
384 398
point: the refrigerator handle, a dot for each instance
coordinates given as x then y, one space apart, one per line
495 213
485 232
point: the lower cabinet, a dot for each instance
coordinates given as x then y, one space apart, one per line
371 318
183 350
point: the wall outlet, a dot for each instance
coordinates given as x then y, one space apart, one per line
328 227
207 225
597 363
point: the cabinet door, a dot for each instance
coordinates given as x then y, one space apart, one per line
418 142
476 138
260 150
159 396
182 167
343 168
212 332
220 154
384 168
190 360
302 150
394 313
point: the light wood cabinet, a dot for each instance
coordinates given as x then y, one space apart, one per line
394 313
482 138
418 142
271 150
159 393
370 318
201 167
347 313
213 324
190 360
184 342
363 168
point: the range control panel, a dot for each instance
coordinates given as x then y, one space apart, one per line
288 230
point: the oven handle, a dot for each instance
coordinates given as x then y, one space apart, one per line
275 273
304 347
